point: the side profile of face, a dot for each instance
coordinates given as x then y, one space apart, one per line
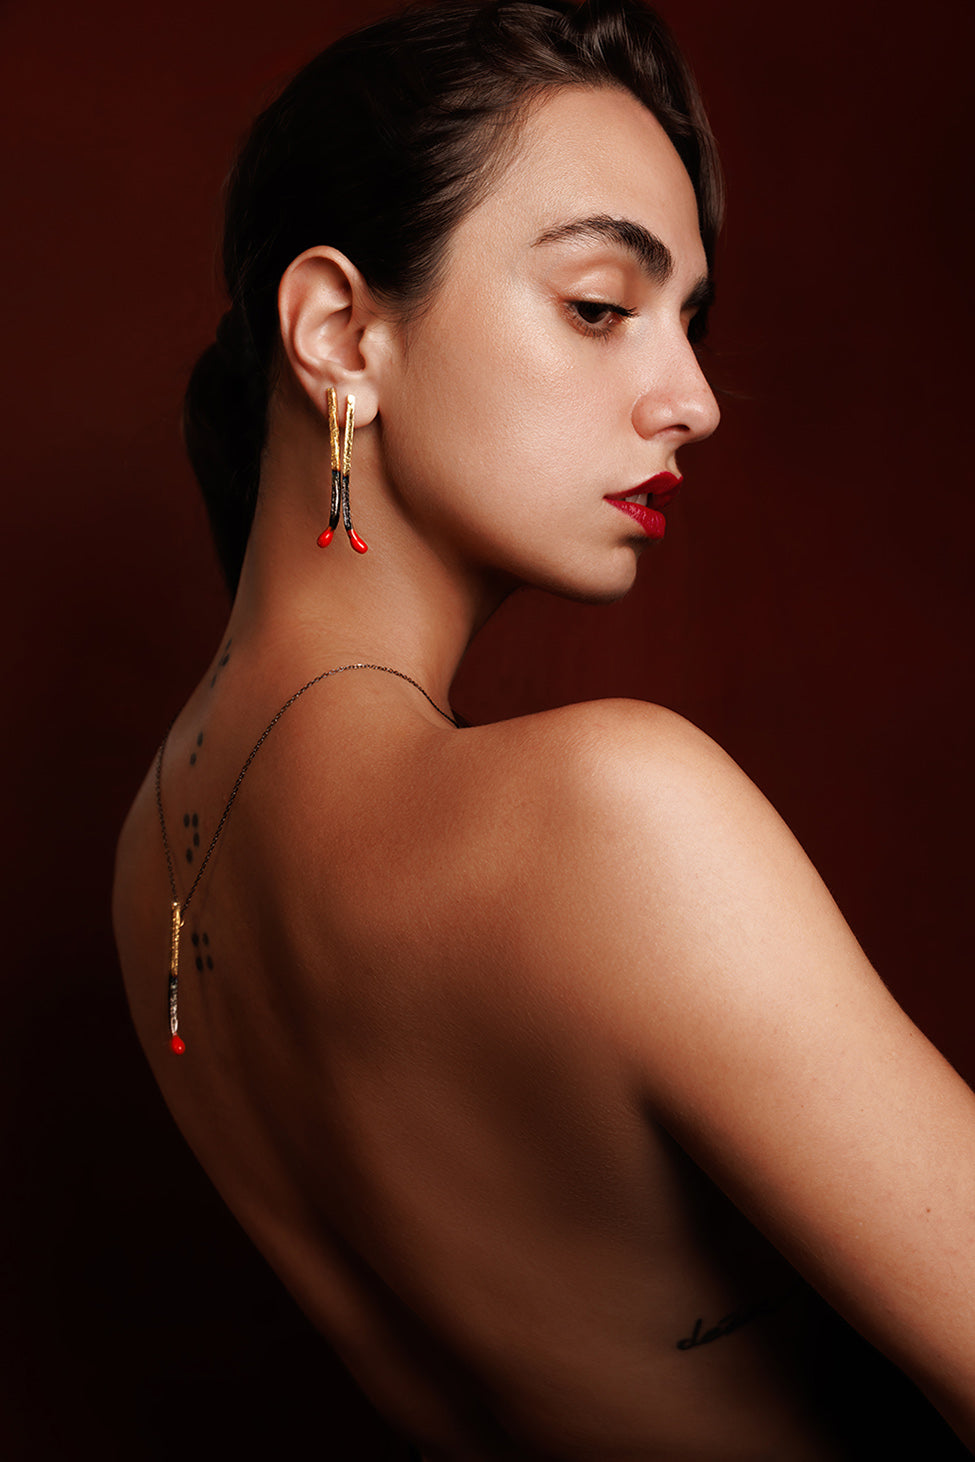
552 371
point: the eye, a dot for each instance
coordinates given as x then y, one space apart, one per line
597 317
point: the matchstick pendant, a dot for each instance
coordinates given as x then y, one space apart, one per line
176 1043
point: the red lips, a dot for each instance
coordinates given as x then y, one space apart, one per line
661 490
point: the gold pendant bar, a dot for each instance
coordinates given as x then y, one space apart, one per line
177 924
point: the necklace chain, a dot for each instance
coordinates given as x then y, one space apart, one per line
336 670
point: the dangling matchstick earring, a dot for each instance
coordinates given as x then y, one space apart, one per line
341 468
325 537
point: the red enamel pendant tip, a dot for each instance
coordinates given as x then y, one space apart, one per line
177 1045
357 542
325 538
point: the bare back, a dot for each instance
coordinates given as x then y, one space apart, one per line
427 1134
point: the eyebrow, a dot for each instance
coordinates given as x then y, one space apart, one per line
651 253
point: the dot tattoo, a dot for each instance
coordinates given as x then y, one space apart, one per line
191 821
222 662
201 946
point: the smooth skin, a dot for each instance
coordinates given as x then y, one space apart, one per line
498 1016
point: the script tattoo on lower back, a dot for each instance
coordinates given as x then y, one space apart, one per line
727 1324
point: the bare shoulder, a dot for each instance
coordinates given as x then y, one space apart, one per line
608 747
612 724
621 822
646 867
637 867
608 787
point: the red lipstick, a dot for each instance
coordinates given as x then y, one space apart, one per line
659 491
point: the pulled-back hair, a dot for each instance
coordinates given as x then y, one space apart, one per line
379 147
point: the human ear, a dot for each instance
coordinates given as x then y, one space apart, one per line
331 331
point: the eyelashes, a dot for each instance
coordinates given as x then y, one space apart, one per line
597 318
601 318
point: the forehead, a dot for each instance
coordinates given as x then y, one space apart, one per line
584 152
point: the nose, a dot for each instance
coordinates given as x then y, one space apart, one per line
679 402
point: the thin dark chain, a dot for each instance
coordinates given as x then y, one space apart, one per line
336 670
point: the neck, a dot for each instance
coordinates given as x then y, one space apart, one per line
401 604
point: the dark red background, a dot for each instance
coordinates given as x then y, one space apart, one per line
811 609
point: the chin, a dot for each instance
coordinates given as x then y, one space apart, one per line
594 587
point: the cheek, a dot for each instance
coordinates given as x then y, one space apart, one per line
500 411
517 399
452 411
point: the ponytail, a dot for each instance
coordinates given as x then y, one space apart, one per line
224 427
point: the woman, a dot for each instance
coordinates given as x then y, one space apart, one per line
472 1026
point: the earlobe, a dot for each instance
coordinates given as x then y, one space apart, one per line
327 326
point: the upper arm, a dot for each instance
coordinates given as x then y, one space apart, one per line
712 956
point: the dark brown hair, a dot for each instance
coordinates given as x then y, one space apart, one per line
379 147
